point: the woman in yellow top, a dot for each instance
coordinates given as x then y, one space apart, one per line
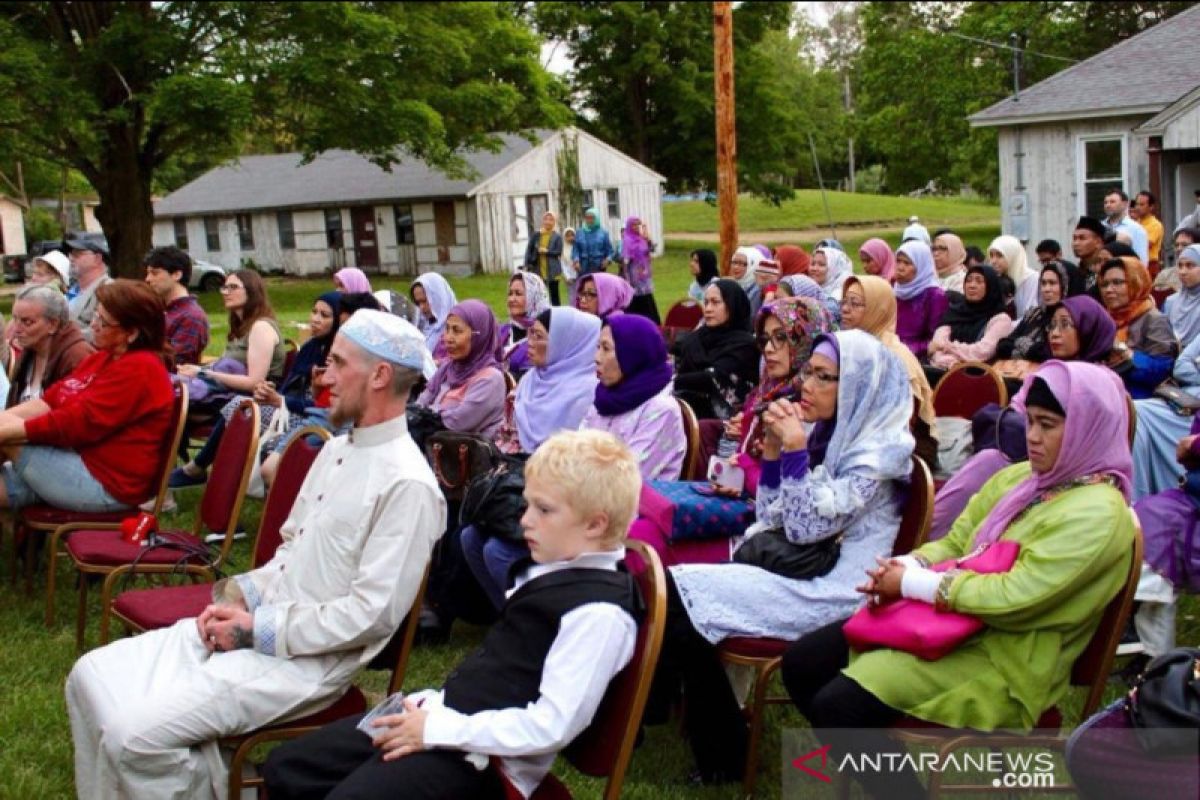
543 254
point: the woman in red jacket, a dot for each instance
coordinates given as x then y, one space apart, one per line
92 441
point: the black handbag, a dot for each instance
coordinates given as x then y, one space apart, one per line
1182 403
771 550
1165 703
456 458
423 422
495 501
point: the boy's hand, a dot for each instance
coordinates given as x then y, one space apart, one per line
404 733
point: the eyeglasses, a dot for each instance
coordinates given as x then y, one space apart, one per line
823 378
939 248
853 302
231 287
740 262
100 322
592 295
1060 325
778 338
1115 283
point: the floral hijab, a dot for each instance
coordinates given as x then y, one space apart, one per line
537 298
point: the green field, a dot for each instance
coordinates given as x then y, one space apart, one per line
806 211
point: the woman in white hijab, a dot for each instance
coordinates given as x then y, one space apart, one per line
1007 255
434 299
830 268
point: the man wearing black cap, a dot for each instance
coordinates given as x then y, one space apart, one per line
90 272
1086 242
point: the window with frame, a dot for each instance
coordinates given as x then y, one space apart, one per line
334 237
212 234
587 201
287 229
443 222
181 240
245 232
405 230
1103 170
614 204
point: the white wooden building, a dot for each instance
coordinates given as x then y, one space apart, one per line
341 210
1128 117
12 227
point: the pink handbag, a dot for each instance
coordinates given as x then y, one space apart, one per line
915 626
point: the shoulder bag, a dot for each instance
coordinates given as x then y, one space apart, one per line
1165 703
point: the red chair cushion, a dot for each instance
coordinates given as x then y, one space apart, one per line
551 788
748 647
351 703
162 607
107 548
49 516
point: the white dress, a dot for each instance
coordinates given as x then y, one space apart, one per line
146 711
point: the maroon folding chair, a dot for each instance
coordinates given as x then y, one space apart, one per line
96 551
693 469
149 609
681 318
46 521
605 748
968 387
1160 296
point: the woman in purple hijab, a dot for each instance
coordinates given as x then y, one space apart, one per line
633 399
602 294
636 252
468 389
1080 329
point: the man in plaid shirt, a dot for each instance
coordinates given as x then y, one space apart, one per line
168 271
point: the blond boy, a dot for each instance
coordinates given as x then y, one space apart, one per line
567 628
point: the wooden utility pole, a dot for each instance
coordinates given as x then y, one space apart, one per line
726 130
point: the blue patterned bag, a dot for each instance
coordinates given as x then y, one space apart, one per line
696 516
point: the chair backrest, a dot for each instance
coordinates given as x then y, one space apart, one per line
1132 418
1093 666
170 445
230 475
1160 296
968 387
291 349
297 459
917 514
691 433
510 382
606 746
681 317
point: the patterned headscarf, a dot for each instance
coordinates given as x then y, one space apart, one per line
802 319
537 299
804 286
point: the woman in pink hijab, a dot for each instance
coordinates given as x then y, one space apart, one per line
351 280
878 259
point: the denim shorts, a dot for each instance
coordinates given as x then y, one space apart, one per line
56 476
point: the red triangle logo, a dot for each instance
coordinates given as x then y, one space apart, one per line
799 764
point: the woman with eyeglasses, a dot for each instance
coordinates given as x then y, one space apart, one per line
950 260
255 345
93 440
920 302
468 388
602 294
868 304
1021 351
1146 345
716 365
833 462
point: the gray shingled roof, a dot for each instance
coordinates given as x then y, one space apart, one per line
1141 75
336 177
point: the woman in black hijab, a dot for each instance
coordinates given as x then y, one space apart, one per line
704 270
974 323
717 364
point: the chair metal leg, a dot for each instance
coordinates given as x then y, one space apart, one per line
81 613
758 711
52 575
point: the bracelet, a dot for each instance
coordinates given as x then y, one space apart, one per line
942 603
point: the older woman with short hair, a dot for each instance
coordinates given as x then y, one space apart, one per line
90 443
51 344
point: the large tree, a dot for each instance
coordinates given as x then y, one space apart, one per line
127 92
643 80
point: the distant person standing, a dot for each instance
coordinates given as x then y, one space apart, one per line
1192 220
593 248
89 268
636 252
168 272
1116 219
1144 206
543 254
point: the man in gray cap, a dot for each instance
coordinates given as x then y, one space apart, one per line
88 268
287 638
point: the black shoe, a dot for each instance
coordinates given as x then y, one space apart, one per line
431 630
714 777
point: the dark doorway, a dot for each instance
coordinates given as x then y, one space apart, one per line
366 238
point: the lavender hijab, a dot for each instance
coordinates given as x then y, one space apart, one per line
642 355
1095 439
1094 326
556 396
926 278
615 292
482 322
634 248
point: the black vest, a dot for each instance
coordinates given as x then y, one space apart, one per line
506 670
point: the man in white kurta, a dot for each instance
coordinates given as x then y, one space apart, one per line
285 639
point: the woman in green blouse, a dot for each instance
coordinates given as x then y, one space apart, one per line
1067 507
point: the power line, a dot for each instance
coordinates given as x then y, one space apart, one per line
1010 47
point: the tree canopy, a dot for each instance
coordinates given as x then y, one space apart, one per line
127 93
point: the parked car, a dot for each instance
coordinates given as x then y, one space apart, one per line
206 276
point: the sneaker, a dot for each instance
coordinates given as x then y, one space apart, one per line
1130 643
217 538
180 479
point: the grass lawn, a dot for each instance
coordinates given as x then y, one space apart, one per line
806 211
35 745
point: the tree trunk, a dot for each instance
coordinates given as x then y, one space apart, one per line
125 212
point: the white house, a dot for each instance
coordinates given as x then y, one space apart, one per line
342 210
1127 117
12 227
